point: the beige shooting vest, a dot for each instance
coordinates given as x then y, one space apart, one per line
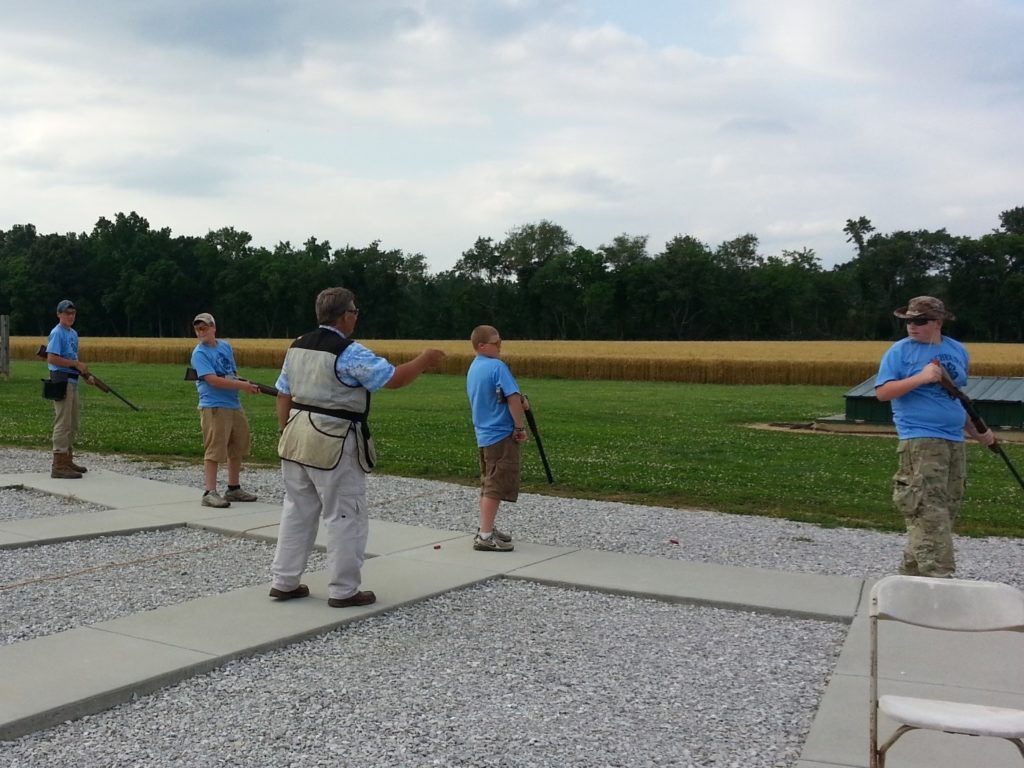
324 408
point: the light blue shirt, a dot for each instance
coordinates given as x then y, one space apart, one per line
356 366
928 410
487 381
63 342
219 361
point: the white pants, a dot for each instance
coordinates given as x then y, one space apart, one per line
339 496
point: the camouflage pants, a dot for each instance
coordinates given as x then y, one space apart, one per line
927 490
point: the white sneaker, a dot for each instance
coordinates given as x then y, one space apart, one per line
214 499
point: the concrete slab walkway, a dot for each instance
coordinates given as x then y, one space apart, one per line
88 669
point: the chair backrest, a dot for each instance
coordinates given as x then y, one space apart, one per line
953 604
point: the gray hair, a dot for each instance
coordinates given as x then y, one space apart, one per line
332 303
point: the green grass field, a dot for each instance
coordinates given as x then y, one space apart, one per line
681 445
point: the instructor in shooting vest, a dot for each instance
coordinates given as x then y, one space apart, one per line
326 450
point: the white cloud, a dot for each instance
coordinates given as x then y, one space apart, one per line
426 124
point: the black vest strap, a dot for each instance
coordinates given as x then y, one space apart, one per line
338 413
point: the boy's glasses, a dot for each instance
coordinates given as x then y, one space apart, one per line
919 320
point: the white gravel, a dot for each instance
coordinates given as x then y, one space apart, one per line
503 674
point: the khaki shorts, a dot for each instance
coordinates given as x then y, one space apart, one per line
225 434
499 470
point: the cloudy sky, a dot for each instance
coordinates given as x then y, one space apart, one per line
428 123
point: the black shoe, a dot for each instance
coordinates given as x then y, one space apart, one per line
359 598
300 591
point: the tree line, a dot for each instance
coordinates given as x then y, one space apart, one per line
129 279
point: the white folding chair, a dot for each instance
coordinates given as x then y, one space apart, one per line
947 604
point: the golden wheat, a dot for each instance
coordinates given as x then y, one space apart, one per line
831 363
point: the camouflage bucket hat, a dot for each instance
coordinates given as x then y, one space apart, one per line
924 306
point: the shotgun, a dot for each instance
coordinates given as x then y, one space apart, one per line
192 375
96 381
532 423
979 423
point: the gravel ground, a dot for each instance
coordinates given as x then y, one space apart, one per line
502 674
54 587
17 503
702 536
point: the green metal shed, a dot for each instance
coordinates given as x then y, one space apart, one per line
999 400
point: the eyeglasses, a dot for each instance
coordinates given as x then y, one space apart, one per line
201 326
353 311
495 343
919 320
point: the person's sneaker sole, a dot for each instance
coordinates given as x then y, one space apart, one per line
239 496
300 591
359 598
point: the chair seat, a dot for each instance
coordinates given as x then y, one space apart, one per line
954 717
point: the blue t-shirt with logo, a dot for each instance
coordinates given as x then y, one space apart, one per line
487 380
220 361
63 342
928 410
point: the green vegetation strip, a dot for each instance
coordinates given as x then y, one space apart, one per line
680 445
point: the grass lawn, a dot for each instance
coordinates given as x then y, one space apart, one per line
682 445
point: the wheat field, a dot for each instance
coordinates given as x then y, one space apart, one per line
829 363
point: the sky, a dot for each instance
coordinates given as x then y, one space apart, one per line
427 124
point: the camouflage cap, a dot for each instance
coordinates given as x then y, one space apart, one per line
924 306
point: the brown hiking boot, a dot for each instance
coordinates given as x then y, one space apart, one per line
71 462
62 469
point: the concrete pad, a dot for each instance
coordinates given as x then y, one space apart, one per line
46 681
246 620
458 550
10 539
387 537
916 654
839 734
109 489
81 525
251 521
110 522
781 592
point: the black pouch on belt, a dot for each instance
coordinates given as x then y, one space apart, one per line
55 390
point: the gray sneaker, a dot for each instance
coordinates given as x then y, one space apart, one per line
499 535
239 495
214 499
492 544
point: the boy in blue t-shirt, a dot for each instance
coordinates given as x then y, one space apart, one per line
225 426
498 410
929 485
65 366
